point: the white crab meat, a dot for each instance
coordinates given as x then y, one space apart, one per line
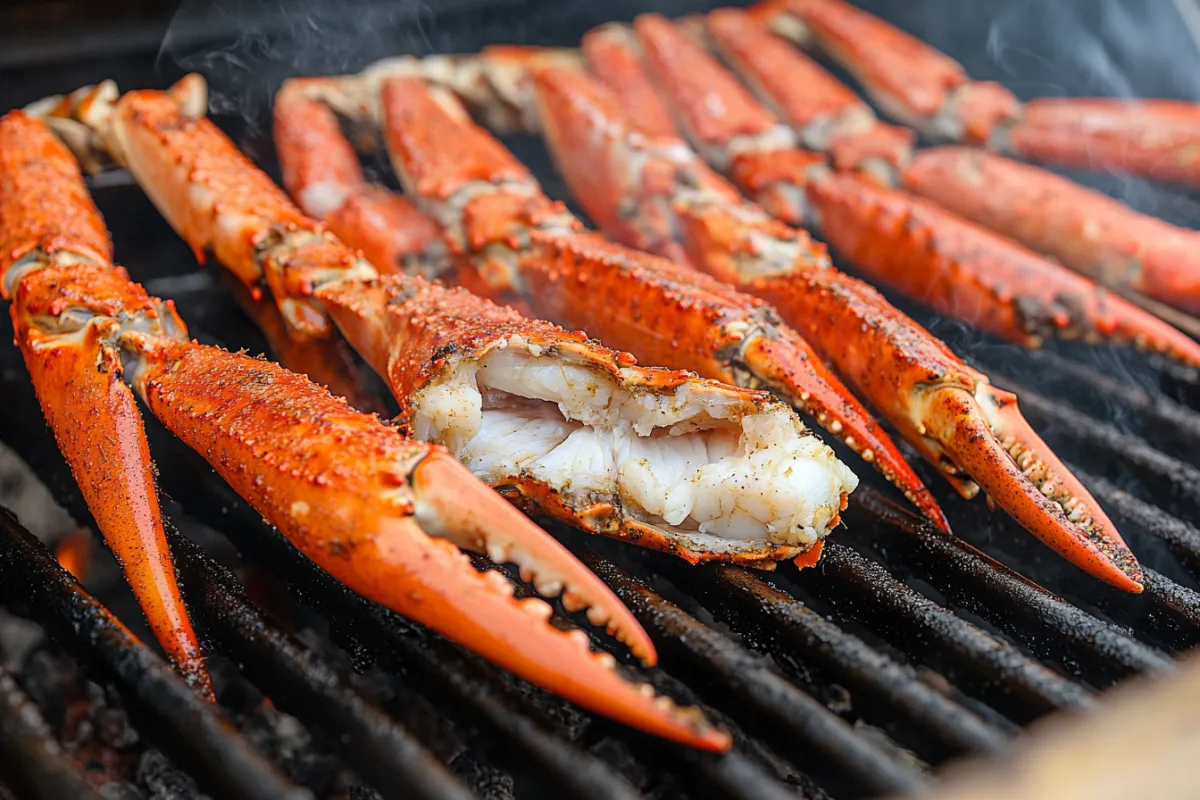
698 462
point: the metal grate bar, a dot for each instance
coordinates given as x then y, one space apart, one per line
192 732
303 684
1179 382
979 663
755 695
1045 623
1175 614
32 763
885 692
1181 537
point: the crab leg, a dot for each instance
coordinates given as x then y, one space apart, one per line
379 512
969 430
920 249
925 89
45 238
496 216
150 130
825 114
461 382
915 84
1152 138
1084 229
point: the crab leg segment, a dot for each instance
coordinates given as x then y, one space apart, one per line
322 171
494 212
1153 138
914 83
217 200
965 271
827 116
68 308
1088 231
927 90
909 375
925 252
612 55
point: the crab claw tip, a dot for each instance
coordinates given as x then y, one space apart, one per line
453 504
986 436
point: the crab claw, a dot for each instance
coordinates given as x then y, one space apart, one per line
985 436
382 514
50 234
1153 138
96 423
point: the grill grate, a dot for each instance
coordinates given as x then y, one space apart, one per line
904 649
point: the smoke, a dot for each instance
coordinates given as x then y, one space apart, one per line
246 48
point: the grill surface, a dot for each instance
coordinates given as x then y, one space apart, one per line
906 648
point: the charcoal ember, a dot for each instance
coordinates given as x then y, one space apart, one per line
99 736
163 781
18 638
287 743
53 682
120 791
485 780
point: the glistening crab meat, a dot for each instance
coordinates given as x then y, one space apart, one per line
574 430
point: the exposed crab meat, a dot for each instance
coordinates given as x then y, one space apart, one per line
577 431
701 468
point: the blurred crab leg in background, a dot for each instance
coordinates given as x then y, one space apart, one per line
912 82
381 513
55 268
522 245
910 244
1084 229
968 429
825 114
931 92
1156 139
1087 230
